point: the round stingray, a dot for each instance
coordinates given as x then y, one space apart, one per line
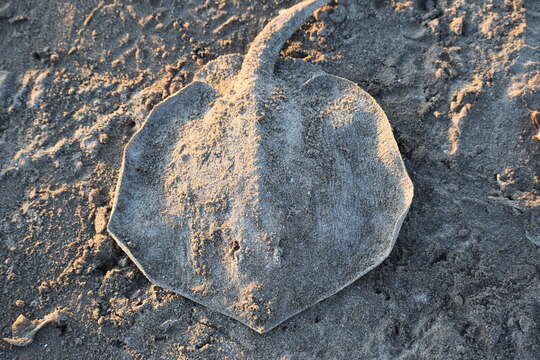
259 214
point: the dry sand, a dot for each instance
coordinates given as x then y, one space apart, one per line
459 82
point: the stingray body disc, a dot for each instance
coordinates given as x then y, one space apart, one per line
260 212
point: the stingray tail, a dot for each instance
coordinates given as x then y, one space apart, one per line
263 52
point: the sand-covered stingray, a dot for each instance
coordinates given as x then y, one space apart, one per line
261 189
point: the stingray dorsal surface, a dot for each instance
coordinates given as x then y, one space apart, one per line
264 186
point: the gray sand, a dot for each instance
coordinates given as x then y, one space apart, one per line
457 80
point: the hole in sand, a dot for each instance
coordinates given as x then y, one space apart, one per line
441 257
235 247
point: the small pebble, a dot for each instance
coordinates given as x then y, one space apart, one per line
54 57
16 19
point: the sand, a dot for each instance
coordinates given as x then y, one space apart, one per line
459 83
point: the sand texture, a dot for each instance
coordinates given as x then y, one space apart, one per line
458 81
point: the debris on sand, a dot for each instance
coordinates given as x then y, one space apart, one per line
24 330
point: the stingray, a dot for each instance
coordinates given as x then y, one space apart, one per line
262 187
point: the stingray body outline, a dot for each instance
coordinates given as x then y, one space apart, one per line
259 190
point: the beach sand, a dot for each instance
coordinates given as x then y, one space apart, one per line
459 82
